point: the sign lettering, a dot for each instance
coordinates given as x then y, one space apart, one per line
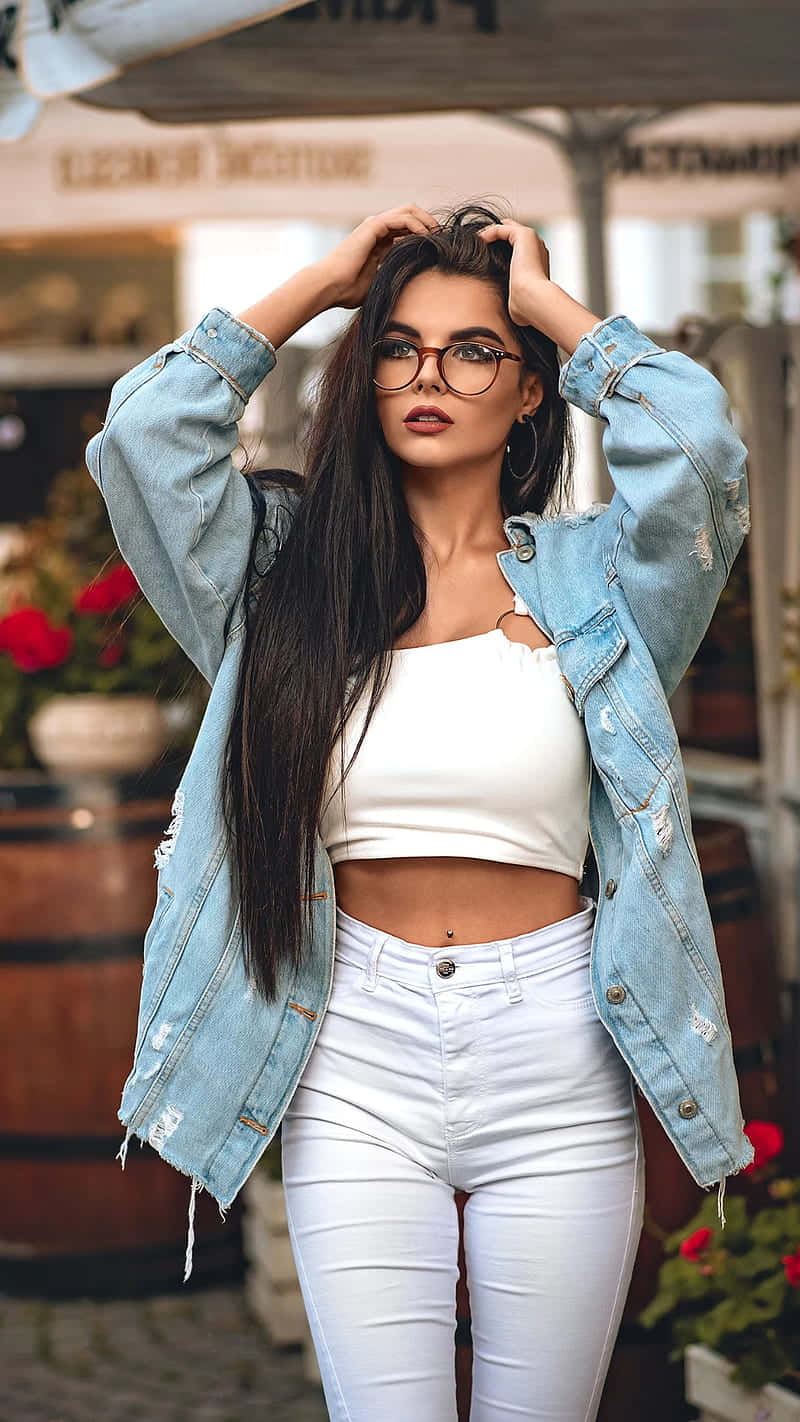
174 165
484 12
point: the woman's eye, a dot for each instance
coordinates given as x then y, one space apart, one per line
400 349
472 352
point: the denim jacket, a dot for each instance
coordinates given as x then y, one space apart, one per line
624 590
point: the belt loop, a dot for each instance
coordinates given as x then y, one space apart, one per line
509 971
369 977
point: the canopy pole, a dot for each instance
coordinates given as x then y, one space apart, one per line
587 139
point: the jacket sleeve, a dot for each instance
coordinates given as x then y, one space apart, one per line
680 509
181 512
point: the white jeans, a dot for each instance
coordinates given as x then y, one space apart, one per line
482 1067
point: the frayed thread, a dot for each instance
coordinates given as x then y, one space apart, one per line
742 515
122 1153
197 1184
165 848
664 828
703 1025
702 549
162 1129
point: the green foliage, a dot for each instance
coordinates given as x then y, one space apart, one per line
736 1295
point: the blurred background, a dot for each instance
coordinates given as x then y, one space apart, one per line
155 164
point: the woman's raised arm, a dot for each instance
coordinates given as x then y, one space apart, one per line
181 511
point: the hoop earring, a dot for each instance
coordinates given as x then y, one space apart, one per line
532 464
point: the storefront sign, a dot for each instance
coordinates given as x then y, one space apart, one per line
175 164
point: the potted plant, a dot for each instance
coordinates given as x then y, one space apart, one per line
733 1297
86 665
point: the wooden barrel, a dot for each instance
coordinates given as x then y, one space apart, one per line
77 888
723 708
641 1381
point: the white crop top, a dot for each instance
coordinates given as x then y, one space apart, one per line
474 749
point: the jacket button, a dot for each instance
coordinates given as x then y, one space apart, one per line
524 552
211 331
688 1107
616 993
445 967
611 888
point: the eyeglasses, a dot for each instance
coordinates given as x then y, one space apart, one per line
466 367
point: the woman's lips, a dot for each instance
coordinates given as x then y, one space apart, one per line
427 427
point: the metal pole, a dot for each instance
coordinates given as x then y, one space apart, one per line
586 139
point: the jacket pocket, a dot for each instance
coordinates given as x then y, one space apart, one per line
586 653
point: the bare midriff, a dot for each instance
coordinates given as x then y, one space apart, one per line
479 900
418 899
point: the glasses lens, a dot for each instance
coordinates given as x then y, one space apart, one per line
395 363
468 368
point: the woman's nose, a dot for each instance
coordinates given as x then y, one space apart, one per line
429 367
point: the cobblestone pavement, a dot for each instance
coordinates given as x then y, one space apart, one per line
205 1358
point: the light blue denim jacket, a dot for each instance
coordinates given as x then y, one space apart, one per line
625 590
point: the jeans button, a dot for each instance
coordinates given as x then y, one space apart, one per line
445 967
616 993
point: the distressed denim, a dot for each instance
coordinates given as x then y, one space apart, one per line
624 590
485 1068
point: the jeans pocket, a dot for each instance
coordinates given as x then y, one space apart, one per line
564 985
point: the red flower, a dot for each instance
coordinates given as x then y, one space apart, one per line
110 654
32 641
105 594
767 1137
791 1267
693 1246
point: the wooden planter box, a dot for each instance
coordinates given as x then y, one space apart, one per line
271 1285
708 1387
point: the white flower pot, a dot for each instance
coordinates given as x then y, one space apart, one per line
708 1386
93 733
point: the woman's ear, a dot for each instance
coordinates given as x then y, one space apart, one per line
532 392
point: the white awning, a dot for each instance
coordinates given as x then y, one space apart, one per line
55 47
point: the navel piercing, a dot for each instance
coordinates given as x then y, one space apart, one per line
449 932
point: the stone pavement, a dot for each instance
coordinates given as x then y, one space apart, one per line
166 1358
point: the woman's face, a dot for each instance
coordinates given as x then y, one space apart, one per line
434 309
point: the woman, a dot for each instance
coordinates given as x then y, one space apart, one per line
370 923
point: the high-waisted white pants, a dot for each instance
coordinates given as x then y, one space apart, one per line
480 1067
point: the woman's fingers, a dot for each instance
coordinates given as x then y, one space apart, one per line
514 231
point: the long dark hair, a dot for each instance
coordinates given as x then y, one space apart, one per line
345 583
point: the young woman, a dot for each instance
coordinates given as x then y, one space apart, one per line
379 922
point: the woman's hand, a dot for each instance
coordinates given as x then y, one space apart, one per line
348 270
530 264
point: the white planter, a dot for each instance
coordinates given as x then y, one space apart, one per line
271 1284
93 733
708 1386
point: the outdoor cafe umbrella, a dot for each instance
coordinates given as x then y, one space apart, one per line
378 57
175 60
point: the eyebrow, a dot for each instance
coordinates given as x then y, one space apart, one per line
463 335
